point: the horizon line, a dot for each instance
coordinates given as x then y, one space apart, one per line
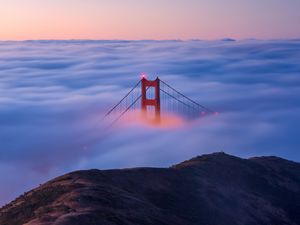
132 40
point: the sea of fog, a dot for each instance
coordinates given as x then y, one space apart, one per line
53 95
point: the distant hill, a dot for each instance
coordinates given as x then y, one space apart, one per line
215 189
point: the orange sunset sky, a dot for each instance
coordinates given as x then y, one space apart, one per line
145 19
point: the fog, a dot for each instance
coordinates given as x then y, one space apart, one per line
53 95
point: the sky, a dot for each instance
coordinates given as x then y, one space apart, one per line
53 95
149 19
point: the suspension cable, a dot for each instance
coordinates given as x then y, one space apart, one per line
172 96
125 111
202 106
113 108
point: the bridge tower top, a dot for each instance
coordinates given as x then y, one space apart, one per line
150 104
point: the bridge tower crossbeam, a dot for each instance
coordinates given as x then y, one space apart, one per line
147 103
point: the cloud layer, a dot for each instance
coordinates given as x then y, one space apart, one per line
53 95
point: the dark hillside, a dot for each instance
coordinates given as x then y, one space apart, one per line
213 189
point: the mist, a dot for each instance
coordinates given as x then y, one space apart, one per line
53 95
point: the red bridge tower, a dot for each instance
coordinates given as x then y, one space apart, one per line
151 105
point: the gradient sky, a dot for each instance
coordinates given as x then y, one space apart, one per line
149 19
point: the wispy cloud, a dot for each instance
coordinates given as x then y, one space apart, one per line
54 93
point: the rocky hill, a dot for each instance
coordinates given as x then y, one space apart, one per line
213 189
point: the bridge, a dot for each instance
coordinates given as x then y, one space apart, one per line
153 101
